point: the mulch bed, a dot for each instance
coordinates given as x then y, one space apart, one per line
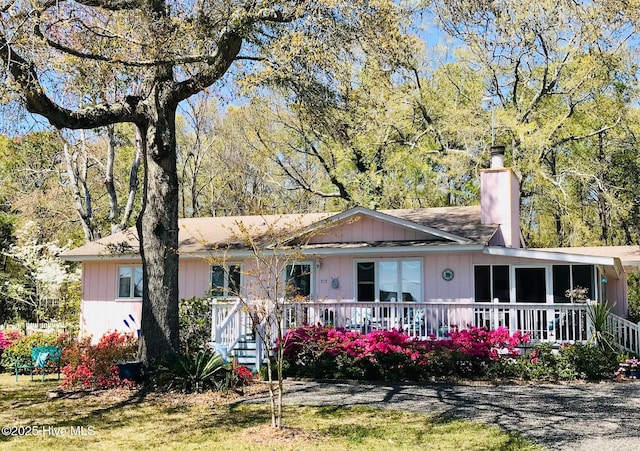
116 395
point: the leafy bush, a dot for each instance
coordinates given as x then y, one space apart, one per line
569 362
21 346
6 340
582 361
634 297
91 367
321 352
197 372
195 323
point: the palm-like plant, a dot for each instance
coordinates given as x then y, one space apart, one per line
192 372
601 336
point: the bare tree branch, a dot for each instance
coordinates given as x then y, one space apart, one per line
113 5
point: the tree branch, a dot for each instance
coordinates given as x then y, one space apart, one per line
113 5
586 135
38 102
230 43
229 47
176 60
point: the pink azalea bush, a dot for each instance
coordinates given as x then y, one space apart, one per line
323 352
7 338
5 341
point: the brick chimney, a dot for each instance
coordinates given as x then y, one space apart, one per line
500 200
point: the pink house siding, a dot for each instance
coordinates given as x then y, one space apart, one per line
100 279
617 289
100 311
341 268
435 288
439 290
193 278
366 229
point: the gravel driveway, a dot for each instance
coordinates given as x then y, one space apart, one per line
599 417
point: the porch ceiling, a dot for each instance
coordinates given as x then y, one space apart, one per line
629 256
612 263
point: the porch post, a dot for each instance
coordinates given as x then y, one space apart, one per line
214 322
495 318
589 322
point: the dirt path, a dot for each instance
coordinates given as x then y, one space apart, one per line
598 417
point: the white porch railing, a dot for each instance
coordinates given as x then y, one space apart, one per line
625 333
555 323
229 323
544 322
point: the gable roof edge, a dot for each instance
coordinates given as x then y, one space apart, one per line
359 210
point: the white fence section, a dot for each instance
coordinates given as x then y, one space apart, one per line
30 328
625 333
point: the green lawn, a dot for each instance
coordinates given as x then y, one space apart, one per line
115 420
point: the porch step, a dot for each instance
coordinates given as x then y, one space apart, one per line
245 353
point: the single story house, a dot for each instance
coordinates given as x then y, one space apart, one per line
423 270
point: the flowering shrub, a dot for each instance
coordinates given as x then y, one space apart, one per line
318 351
322 352
7 338
90 367
244 374
5 341
626 365
487 344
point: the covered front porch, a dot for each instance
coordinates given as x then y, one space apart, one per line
232 325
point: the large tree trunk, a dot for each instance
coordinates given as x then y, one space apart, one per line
158 232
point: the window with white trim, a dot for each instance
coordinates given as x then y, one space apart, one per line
531 284
491 282
389 280
225 280
130 282
566 277
298 279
